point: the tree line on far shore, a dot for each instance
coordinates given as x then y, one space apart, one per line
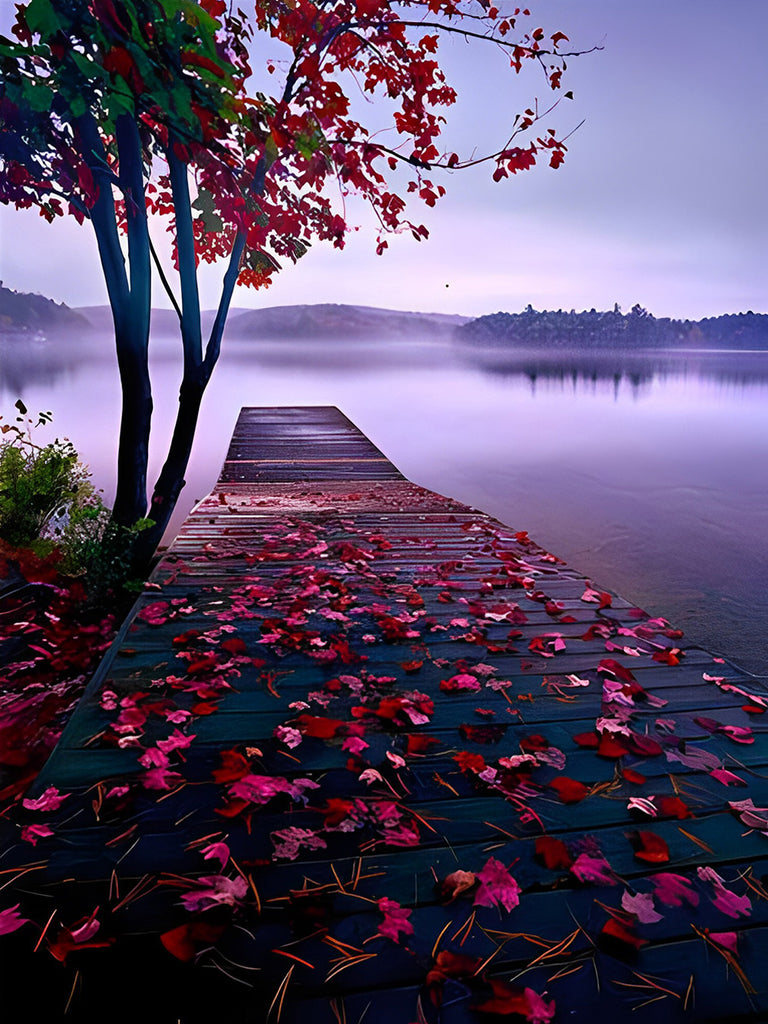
615 330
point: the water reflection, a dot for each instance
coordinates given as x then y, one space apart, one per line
56 361
632 372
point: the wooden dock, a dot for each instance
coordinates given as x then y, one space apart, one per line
362 753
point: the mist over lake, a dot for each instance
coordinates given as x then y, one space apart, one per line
646 471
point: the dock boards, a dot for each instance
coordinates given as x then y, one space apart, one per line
363 753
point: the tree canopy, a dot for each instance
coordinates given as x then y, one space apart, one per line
238 129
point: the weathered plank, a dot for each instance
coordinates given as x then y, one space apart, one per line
349 689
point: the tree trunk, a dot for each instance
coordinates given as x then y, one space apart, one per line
129 299
135 421
171 479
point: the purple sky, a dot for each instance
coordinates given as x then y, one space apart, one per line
661 200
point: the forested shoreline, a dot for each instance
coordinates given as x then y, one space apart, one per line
595 329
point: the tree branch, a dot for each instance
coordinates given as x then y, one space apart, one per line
191 332
213 348
131 178
164 280
102 215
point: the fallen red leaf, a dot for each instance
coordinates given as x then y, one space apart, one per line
553 852
570 791
505 1000
534 742
590 740
649 847
611 746
674 807
234 645
185 941
419 743
320 728
470 762
233 766
621 933
204 707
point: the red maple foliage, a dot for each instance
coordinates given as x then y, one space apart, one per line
120 119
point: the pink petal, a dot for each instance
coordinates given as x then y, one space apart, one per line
31 833
50 800
11 920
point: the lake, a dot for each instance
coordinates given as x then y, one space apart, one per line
646 471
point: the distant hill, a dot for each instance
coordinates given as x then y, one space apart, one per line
614 330
21 313
326 321
164 321
330 321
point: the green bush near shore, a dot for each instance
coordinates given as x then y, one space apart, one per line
48 504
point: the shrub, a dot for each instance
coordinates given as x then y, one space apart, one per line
47 503
37 483
100 551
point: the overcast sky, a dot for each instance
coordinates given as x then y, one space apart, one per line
661 200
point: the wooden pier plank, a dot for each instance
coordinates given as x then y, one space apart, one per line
422 691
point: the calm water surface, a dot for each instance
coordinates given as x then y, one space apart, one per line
649 473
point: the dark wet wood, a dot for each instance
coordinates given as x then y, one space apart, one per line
304 493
